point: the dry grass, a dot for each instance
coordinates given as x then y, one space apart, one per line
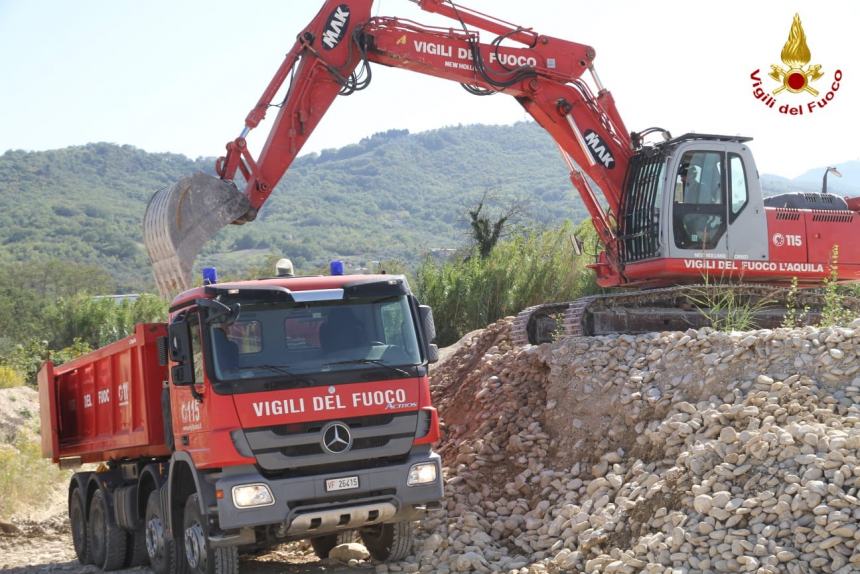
29 484
10 378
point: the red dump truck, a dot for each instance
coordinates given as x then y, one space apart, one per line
263 411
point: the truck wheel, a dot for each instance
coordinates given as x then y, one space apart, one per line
200 557
388 541
107 541
78 520
323 545
161 551
136 553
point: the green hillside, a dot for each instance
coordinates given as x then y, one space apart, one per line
81 204
394 195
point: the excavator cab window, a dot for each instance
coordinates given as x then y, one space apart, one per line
699 207
738 185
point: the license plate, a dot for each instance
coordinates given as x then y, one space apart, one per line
344 483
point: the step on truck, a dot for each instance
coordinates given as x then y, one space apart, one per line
261 412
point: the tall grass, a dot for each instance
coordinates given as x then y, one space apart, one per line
834 311
795 315
470 292
727 310
27 480
9 377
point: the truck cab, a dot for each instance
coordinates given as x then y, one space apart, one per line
310 398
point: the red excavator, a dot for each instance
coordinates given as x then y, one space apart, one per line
668 211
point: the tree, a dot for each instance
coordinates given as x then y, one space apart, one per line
486 233
99 321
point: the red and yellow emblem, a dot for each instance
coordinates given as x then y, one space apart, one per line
795 54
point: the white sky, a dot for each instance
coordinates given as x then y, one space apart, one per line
181 76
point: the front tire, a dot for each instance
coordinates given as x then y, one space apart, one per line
199 556
388 542
78 522
160 550
106 541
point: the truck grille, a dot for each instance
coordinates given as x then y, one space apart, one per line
300 445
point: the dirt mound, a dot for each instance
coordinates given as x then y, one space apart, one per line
32 489
703 451
19 414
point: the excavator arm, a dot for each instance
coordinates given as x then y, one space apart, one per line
332 57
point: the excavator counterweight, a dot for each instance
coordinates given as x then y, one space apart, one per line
180 219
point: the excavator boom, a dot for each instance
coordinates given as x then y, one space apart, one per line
332 57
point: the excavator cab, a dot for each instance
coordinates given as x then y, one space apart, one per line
717 209
693 197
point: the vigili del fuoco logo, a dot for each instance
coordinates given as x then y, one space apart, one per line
801 88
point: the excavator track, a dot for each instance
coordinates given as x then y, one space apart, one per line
665 309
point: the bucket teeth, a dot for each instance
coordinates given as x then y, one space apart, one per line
180 219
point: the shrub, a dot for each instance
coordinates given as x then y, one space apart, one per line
26 479
469 292
99 321
9 377
795 316
726 309
834 311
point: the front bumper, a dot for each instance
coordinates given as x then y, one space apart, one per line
302 507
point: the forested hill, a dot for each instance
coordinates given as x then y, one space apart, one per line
394 195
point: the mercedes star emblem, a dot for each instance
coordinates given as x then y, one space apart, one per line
336 438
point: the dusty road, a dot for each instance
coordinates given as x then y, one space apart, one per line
47 547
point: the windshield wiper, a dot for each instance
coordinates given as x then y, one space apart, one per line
282 370
368 362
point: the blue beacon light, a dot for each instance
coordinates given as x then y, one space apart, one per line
336 267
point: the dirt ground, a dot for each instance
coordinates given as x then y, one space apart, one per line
40 548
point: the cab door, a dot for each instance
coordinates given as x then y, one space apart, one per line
748 238
717 211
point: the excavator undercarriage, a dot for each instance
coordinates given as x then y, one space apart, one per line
671 309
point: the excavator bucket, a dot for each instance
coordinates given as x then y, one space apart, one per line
180 219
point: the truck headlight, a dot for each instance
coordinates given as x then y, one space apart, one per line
422 473
251 495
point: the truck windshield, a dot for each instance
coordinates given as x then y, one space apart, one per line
271 339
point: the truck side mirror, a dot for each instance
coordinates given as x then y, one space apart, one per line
179 336
182 374
432 353
429 328
179 347
427 323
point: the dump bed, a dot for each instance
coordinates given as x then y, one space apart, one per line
106 404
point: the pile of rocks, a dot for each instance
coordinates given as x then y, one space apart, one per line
669 452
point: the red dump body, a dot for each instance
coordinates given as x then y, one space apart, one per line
106 404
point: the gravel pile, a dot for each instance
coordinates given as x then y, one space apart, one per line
673 452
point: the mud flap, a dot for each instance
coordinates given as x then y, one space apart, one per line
180 219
